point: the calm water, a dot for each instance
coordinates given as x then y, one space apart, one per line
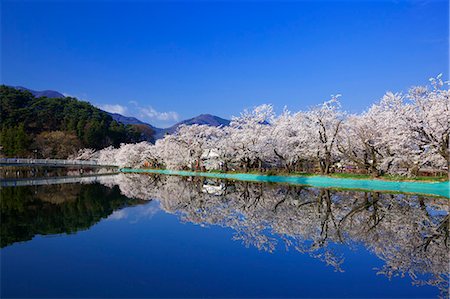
167 236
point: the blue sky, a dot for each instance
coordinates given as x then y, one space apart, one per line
166 61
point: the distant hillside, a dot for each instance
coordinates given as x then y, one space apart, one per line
148 132
55 127
126 120
44 93
145 130
202 119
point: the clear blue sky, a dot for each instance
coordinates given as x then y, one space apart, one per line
221 57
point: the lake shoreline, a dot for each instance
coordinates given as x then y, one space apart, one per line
435 188
387 178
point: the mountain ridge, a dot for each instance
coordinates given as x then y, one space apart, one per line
55 127
43 93
158 133
202 119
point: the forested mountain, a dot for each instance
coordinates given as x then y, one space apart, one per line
43 93
55 127
51 125
127 120
148 132
158 133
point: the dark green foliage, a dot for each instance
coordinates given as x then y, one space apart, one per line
21 113
14 140
44 210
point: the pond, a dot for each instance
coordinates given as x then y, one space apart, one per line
137 235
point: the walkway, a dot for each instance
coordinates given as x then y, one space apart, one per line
51 162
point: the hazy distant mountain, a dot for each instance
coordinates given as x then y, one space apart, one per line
126 120
202 119
150 134
43 93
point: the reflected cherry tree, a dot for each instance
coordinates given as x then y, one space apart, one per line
410 233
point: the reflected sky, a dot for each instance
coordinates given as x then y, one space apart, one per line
203 238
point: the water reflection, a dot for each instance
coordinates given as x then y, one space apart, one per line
55 209
409 233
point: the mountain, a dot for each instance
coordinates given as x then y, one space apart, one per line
126 120
44 93
148 132
56 127
202 119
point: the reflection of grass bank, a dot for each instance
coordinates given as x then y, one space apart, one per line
442 178
436 188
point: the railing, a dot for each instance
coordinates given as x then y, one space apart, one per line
51 181
15 161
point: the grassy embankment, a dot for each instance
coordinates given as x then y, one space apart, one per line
442 178
411 183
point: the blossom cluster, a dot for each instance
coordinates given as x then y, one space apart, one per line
403 133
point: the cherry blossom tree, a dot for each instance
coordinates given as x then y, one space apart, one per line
251 136
323 124
290 142
361 143
427 121
400 134
84 154
173 152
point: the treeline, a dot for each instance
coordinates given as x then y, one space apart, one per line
55 127
406 134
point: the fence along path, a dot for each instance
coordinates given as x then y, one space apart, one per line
52 180
50 162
